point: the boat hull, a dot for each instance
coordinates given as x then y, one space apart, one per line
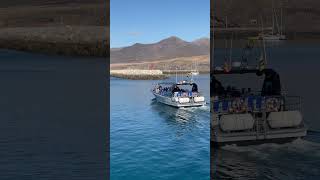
254 142
220 138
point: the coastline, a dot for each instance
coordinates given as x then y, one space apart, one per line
244 33
181 65
60 40
139 74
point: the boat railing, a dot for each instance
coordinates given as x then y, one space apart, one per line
168 92
255 103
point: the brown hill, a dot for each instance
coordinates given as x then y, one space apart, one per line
12 3
31 13
71 27
172 47
298 16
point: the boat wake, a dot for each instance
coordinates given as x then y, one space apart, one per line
263 151
205 108
296 159
185 120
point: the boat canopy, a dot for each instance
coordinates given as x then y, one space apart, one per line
190 83
271 83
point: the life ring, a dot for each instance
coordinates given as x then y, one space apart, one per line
272 104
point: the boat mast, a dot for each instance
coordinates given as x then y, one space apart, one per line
264 45
230 59
281 21
277 23
225 39
265 53
176 75
272 18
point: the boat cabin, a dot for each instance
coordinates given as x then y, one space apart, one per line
180 89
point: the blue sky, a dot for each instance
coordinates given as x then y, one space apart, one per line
149 21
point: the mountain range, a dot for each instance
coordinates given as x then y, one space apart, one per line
298 15
169 48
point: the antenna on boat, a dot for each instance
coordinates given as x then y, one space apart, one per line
264 55
264 50
225 40
281 21
274 19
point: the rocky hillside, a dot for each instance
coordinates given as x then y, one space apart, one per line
69 27
298 16
169 48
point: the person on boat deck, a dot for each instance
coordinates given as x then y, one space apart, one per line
175 89
194 87
217 88
271 83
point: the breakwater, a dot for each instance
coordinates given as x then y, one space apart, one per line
138 74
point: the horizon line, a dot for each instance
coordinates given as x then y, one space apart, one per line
207 37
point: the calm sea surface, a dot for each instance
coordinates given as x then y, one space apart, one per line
299 68
154 141
53 120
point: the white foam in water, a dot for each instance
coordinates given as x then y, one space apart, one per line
305 147
299 146
249 150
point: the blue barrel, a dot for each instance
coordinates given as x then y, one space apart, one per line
225 105
258 103
250 103
216 105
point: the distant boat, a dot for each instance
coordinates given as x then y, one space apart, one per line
179 94
279 34
194 70
277 30
195 73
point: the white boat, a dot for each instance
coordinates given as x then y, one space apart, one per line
274 37
194 69
195 73
277 30
245 117
180 94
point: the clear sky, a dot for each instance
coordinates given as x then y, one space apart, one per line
149 21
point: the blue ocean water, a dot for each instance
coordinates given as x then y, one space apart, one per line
53 117
298 65
154 141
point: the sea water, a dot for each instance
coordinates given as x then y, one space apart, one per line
150 140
